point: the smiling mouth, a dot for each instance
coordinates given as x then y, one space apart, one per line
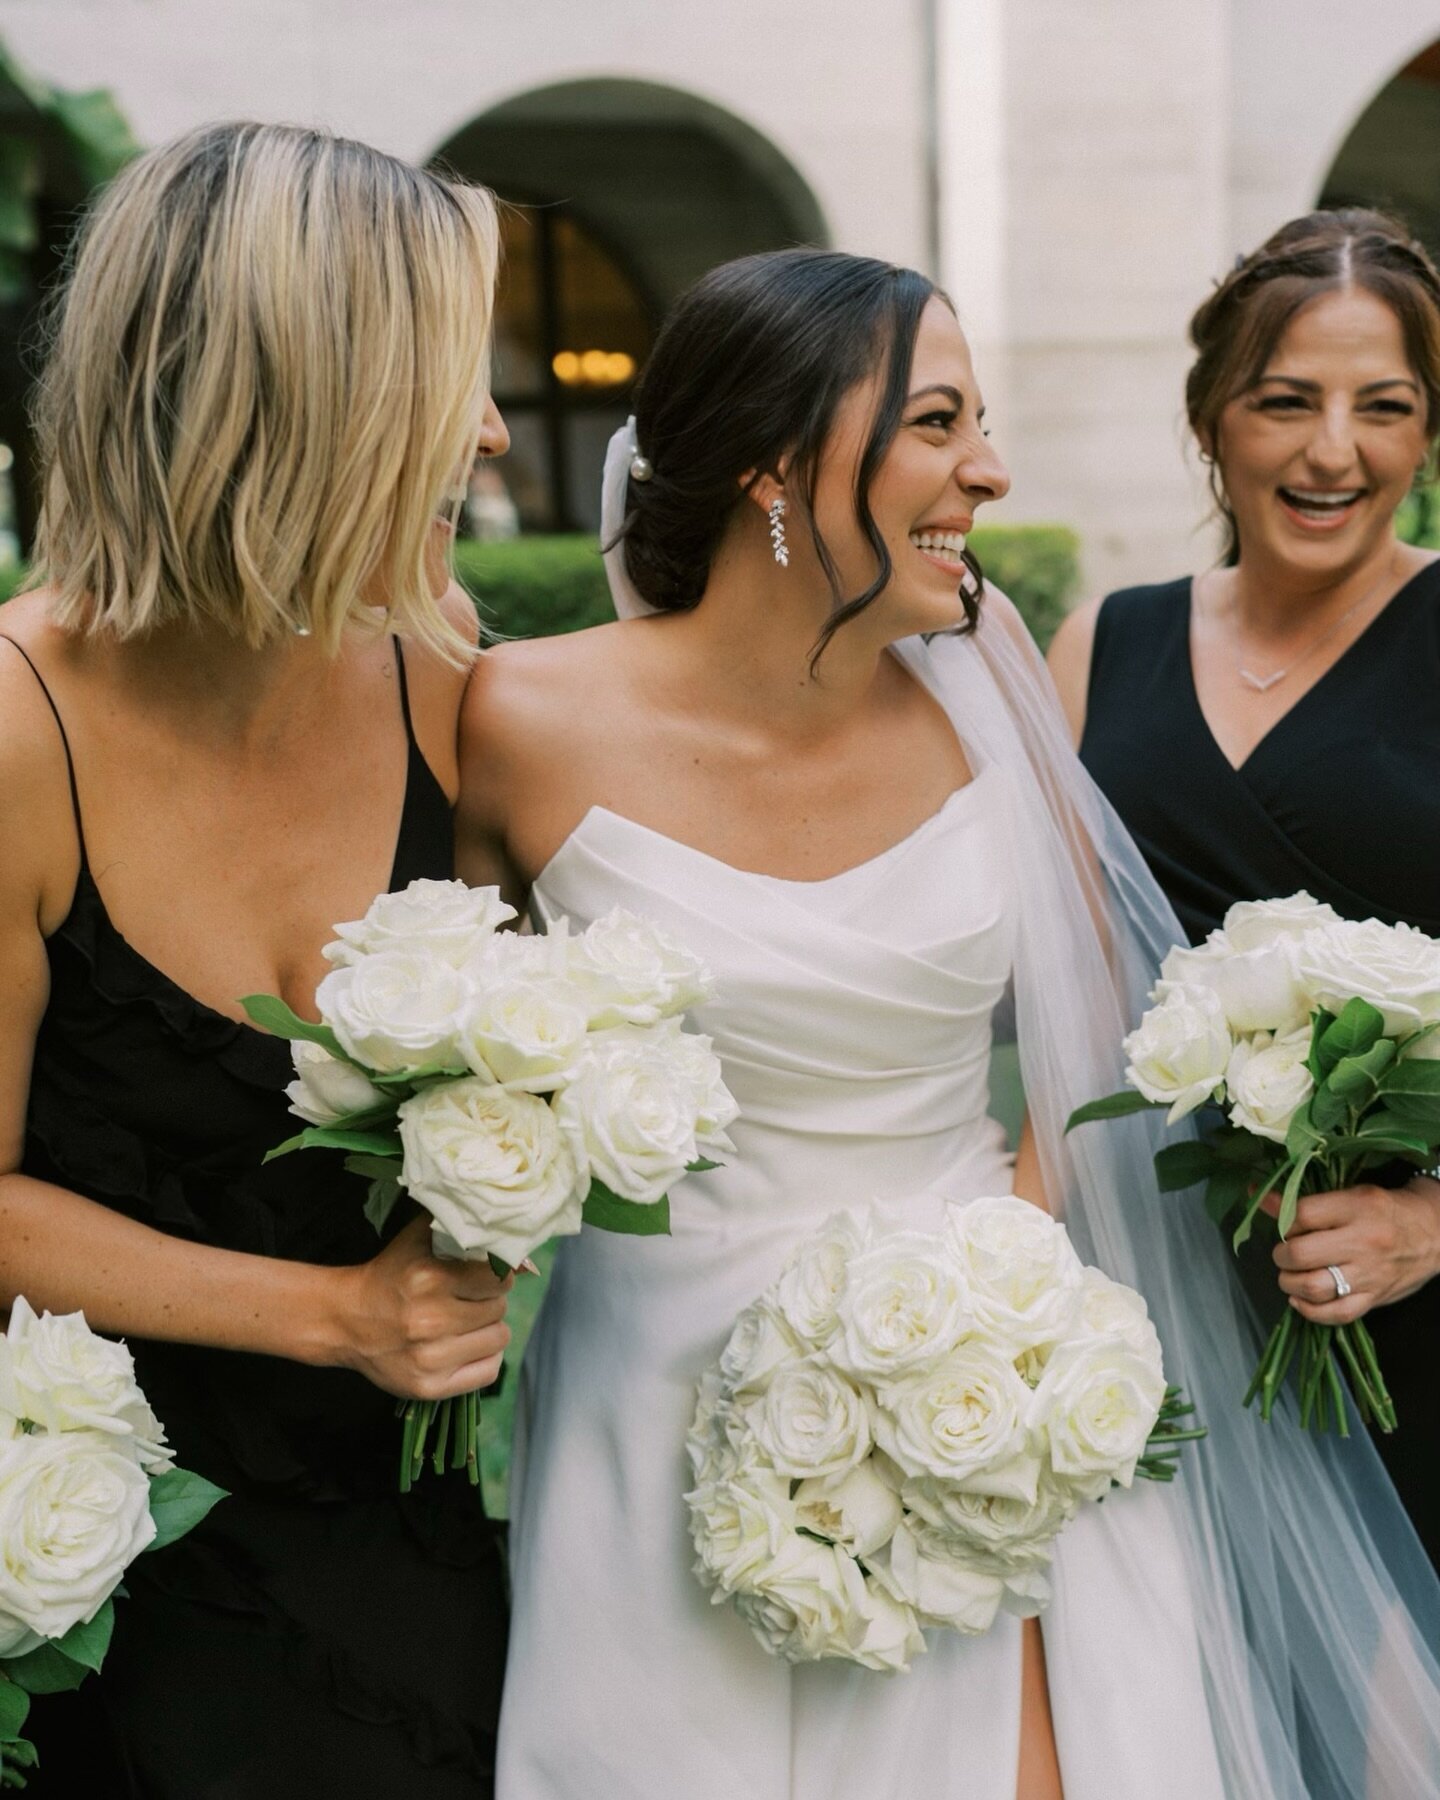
947 547
1320 506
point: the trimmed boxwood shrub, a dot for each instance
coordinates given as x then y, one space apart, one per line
540 586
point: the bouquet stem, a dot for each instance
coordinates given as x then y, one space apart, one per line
455 1424
1321 1386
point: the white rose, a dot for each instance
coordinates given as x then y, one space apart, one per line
809 1421
922 1568
526 1033
760 1343
812 1282
859 1510
893 1637
958 1419
491 1167
629 1115
904 1305
1178 1053
706 1443
1189 965
1254 924
1110 1309
398 1009
1000 1533
57 1373
697 1064
1394 967
513 955
740 1523
444 919
1267 1082
808 1602
1097 1404
634 974
1021 1273
74 1514
328 1087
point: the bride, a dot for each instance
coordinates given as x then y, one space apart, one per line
820 751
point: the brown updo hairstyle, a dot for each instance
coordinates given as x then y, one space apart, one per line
748 371
1235 332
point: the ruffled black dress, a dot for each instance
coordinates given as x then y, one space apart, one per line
318 1634
1341 797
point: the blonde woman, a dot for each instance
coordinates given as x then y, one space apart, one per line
227 720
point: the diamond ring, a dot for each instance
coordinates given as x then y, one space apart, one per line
1342 1286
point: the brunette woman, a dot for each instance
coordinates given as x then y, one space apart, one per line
1273 724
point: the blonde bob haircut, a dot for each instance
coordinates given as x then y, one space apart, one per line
267 373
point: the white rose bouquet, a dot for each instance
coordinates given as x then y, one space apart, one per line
515 1086
1320 1039
86 1485
901 1425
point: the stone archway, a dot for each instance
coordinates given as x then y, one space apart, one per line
621 194
1391 156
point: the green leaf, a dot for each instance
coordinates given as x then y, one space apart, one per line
1356 1028
87 1643
1226 1189
1247 1224
46 1670
331 1137
701 1166
1417 1076
1290 1199
271 1014
1356 1077
1113 1106
1182 1165
1328 1108
1374 1143
1315 1062
178 1502
608 1212
1242 1149
1303 1139
384 1193
375 1168
14 1705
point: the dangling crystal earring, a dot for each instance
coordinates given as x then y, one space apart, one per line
777 534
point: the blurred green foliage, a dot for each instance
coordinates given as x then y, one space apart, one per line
540 586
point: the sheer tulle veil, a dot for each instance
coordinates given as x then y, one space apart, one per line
1317 1610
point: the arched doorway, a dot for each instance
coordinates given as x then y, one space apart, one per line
1391 155
621 193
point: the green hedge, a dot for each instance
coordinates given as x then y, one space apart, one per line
539 586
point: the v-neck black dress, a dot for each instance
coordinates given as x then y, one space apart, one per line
1341 797
318 1633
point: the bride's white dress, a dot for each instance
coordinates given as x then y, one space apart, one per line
854 1022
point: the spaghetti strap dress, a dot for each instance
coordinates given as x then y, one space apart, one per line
319 1633
1341 797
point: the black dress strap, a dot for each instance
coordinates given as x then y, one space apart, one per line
405 695
64 739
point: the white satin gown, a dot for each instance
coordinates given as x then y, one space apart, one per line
854 1022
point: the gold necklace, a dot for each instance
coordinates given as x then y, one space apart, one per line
1262 684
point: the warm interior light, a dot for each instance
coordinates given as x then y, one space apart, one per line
593 368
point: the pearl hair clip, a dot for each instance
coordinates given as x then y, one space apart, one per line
641 467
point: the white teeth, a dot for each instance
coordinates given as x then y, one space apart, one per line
1320 501
952 543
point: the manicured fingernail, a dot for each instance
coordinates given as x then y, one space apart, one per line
530 1268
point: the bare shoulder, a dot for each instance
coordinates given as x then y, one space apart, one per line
1069 659
535 716
539 697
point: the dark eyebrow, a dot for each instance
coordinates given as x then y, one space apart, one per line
1370 387
952 394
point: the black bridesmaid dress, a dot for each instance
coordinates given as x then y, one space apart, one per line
1342 798
318 1634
